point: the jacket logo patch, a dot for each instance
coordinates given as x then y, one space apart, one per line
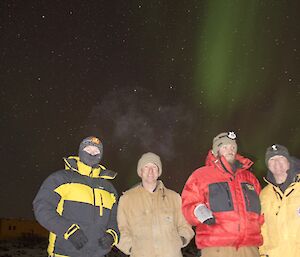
250 187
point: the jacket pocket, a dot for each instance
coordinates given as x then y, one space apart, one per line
220 198
251 198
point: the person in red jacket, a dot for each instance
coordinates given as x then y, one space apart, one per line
222 200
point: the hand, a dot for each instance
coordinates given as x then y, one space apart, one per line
204 215
106 241
78 239
210 221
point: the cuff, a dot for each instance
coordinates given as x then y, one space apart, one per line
114 235
71 230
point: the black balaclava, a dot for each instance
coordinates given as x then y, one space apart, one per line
85 157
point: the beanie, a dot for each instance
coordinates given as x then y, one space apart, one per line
223 138
276 149
94 141
149 158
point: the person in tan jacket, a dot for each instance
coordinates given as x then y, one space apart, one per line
149 215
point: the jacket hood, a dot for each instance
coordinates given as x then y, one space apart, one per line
73 163
211 160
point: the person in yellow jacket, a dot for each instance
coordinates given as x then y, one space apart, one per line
280 201
149 215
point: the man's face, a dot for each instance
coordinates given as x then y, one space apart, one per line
92 150
278 165
149 173
229 152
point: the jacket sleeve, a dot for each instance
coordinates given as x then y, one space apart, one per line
184 229
264 248
45 206
112 227
258 190
125 242
192 195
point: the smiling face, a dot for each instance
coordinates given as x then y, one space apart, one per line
279 165
229 152
149 173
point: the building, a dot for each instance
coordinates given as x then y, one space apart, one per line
11 228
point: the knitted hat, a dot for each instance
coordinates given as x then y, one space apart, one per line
149 158
276 149
224 138
94 141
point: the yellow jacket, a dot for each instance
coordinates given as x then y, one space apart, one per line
151 224
281 230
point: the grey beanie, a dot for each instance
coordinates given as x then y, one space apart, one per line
149 158
274 150
223 138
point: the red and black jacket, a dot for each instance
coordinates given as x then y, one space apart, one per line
233 199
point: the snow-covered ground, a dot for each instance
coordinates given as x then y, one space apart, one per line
37 248
23 248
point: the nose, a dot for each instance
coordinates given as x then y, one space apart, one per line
277 164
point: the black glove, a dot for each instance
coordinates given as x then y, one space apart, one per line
210 221
78 239
106 241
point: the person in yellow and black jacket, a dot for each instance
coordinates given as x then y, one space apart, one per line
78 205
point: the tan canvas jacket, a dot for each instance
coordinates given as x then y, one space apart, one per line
152 224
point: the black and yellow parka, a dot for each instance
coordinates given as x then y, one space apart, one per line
77 197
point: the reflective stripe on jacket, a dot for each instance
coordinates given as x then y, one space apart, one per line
78 195
233 199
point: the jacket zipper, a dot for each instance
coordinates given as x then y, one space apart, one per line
94 195
94 203
101 205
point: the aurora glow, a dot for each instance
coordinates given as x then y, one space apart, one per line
161 76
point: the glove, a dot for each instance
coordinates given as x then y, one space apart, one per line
78 239
106 241
204 215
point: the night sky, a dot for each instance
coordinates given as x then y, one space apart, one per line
161 76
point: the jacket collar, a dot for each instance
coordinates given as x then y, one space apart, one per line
221 163
74 164
159 186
